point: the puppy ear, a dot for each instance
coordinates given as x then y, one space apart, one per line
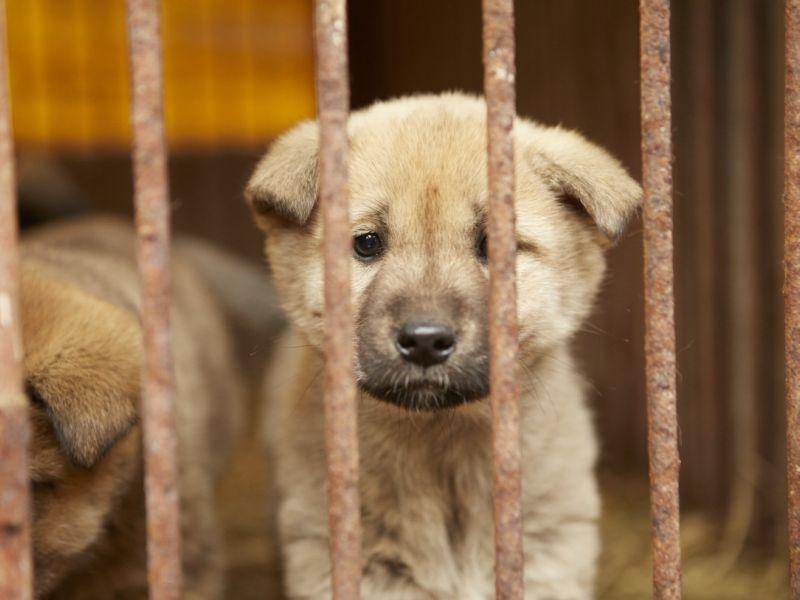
284 184
82 366
583 175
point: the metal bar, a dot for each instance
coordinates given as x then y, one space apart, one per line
499 88
151 198
341 441
16 575
791 287
662 422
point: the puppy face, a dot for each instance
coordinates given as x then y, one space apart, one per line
418 188
81 367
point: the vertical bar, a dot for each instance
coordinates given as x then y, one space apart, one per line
662 422
15 534
341 442
791 287
499 88
153 235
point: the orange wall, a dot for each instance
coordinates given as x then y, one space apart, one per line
236 71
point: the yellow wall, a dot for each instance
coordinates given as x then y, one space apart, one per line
236 71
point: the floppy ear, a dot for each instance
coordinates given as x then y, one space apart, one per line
284 184
82 365
583 174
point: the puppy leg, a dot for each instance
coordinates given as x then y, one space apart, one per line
303 528
307 572
562 544
560 563
201 539
305 542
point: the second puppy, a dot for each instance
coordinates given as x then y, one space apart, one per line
82 366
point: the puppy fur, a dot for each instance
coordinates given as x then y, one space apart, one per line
83 351
418 179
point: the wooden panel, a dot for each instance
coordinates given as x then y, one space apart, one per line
236 71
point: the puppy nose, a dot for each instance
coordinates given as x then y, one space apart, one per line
425 344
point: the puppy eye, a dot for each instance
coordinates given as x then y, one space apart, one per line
367 245
33 396
481 248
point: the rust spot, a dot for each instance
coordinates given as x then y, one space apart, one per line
15 535
16 577
341 441
791 289
499 75
151 199
659 297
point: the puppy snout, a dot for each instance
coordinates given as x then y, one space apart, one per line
425 343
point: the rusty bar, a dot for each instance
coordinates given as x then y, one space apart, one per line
499 88
341 441
151 197
662 421
791 287
16 581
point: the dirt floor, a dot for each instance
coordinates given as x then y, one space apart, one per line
709 573
624 569
253 562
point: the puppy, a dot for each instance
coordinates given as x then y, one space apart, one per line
418 186
82 365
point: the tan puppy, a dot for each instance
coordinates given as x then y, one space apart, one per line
82 341
418 188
